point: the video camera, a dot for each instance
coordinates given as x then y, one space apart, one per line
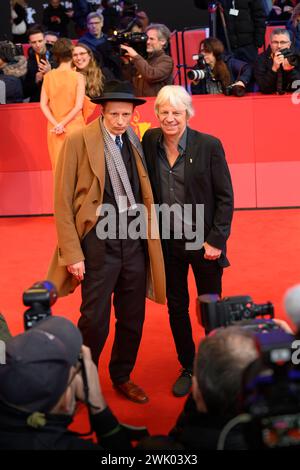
271 396
136 40
213 312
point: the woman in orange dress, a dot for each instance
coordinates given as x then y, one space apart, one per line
62 98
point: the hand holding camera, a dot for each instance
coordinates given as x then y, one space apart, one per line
278 60
129 51
89 385
285 57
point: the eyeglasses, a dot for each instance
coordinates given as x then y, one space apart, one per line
280 43
80 54
94 24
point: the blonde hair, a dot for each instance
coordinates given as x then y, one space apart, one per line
177 96
93 75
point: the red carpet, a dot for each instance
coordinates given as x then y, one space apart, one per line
265 259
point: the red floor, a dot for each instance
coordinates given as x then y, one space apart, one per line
265 259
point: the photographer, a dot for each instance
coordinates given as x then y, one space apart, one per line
47 370
216 71
276 69
218 370
149 75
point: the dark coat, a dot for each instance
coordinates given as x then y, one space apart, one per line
16 434
49 20
246 28
207 181
200 431
267 80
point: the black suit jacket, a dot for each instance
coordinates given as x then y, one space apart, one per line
206 180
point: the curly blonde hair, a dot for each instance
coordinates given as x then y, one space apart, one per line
94 78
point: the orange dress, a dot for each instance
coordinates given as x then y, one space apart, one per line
61 89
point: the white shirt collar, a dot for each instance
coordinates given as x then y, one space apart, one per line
113 136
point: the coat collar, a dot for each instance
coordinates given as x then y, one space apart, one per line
95 149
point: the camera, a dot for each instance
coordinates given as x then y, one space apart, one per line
271 395
290 55
235 90
39 298
200 72
213 312
135 40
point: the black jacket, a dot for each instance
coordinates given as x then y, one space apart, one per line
206 180
21 14
16 434
200 431
49 20
246 28
267 80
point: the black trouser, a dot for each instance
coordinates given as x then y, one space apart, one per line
208 276
122 271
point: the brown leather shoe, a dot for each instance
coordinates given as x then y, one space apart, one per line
132 392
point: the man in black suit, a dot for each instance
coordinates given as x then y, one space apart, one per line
187 167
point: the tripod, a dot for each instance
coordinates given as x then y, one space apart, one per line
213 8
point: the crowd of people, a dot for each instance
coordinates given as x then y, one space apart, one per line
103 175
231 58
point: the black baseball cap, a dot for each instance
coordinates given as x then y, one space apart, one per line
38 364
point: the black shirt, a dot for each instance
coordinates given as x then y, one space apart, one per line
172 178
172 184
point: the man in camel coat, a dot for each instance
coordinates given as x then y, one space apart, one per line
101 170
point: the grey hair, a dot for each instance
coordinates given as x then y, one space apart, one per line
177 96
163 31
94 14
280 31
